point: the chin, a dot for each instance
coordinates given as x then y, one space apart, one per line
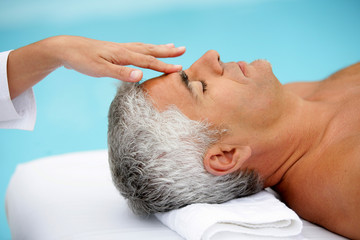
261 62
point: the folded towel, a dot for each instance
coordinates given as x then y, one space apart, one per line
257 216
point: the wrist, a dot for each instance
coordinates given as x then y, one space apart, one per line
30 64
54 48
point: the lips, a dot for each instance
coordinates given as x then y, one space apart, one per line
242 66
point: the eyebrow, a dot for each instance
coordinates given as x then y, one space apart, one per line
185 81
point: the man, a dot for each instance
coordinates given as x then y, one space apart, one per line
242 131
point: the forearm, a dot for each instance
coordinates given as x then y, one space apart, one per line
30 64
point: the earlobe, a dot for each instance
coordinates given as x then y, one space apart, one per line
222 159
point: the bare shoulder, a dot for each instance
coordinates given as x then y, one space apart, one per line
325 188
339 169
335 84
350 72
343 79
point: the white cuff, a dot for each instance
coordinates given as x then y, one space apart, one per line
19 113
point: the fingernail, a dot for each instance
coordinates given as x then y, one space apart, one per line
170 45
178 67
135 75
181 48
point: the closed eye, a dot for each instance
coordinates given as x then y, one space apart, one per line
204 86
185 80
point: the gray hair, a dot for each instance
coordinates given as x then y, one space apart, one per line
156 158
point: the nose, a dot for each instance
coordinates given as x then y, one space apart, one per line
211 55
208 62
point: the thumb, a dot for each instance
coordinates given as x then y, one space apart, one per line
126 74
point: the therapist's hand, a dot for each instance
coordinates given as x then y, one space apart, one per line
32 63
108 59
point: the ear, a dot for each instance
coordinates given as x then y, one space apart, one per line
222 159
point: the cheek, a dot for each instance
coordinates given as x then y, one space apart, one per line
224 107
227 98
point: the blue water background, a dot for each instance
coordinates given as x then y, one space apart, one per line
303 39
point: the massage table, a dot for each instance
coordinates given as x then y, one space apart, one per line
71 196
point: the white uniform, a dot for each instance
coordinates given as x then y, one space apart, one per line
19 113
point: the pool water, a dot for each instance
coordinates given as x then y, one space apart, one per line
303 39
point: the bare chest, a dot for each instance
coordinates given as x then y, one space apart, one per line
345 117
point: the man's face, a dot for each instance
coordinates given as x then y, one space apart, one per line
236 95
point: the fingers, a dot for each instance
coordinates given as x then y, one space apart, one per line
129 74
160 51
140 55
151 62
122 73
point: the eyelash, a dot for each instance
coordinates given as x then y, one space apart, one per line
204 86
203 83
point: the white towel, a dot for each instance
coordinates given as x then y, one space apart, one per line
257 216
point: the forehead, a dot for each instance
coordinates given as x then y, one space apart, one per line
167 90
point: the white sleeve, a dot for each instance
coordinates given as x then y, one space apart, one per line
19 113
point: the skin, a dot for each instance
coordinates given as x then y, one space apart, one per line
30 64
301 137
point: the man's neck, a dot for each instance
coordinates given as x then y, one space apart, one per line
295 134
